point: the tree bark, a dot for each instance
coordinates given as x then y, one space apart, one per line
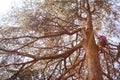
92 57
93 61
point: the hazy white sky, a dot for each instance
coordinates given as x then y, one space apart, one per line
5 5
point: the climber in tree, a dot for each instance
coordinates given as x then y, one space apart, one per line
102 42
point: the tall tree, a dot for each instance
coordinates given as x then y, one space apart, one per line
57 40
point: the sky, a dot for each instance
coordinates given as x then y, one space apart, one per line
5 5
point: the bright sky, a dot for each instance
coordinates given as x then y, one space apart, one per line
5 5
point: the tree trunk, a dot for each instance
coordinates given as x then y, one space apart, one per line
92 57
93 61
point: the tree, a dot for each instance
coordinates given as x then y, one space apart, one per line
57 41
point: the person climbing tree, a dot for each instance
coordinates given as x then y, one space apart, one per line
102 42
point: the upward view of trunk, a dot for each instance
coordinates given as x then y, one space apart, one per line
93 62
92 57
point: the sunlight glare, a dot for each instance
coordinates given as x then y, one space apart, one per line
5 5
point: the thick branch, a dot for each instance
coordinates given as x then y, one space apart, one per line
63 55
